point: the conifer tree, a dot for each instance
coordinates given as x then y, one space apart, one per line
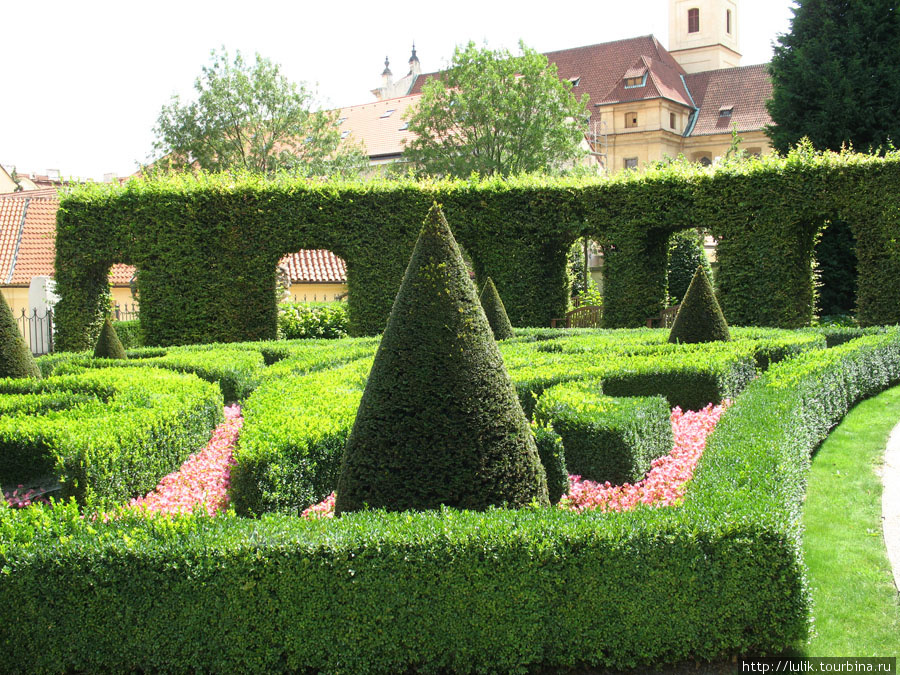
16 359
439 422
108 344
836 76
700 317
495 311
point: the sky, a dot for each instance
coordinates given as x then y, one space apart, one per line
83 83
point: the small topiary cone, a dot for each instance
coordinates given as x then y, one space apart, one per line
108 344
700 317
495 311
16 359
439 422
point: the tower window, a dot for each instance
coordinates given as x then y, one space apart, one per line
631 162
631 120
728 21
672 120
694 20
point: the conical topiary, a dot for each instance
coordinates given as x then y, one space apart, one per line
439 422
108 344
16 359
495 311
700 317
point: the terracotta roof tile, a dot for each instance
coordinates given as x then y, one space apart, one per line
36 252
315 266
745 90
383 134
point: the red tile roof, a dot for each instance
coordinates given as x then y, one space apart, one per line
663 81
315 266
745 90
383 134
27 250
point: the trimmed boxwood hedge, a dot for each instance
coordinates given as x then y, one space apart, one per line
104 435
207 246
449 591
604 438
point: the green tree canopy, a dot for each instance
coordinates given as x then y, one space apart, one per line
249 116
494 113
836 76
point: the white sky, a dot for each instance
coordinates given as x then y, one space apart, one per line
83 82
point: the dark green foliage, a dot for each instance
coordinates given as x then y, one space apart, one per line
130 334
606 439
685 255
765 215
836 267
835 76
495 311
108 345
553 458
306 320
699 318
227 594
16 359
439 422
106 434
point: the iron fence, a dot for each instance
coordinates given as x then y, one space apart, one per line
37 326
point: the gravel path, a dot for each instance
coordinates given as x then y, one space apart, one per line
890 502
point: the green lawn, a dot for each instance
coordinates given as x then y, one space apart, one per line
856 606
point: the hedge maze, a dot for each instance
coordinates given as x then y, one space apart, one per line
206 246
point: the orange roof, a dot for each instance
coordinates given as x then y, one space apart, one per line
744 90
28 231
382 132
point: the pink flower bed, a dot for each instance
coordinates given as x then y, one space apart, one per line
664 484
202 481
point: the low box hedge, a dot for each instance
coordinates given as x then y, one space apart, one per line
447 591
105 435
606 439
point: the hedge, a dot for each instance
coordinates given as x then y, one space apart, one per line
447 591
104 435
207 245
129 332
604 438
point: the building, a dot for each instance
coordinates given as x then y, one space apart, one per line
646 102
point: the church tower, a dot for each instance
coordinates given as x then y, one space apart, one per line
703 34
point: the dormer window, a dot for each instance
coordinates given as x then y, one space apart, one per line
387 113
575 81
694 20
726 110
632 82
344 134
340 121
405 126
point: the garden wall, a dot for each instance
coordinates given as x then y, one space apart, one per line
207 246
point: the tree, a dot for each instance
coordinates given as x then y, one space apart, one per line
440 422
496 114
836 76
108 344
249 116
700 317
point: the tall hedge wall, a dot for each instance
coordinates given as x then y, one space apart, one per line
206 246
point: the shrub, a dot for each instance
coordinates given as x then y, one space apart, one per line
108 345
686 254
16 359
304 321
699 318
130 334
105 434
606 439
495 311
439 422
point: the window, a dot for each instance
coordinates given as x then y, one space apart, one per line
693 20
344 134
631 162
705 161
405 126
673 120
726 110
387 113
575 81
340 121
728 21
630 120
636 81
